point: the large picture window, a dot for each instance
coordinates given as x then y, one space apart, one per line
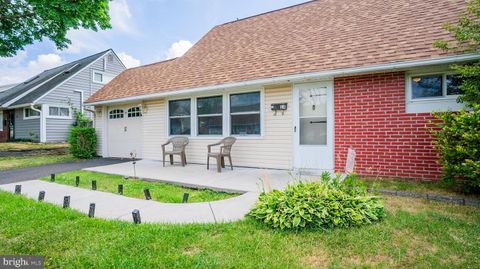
245 113
209 114
179 114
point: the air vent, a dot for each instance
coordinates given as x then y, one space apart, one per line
110 58
30 80
70 69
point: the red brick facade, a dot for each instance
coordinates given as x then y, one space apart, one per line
370 116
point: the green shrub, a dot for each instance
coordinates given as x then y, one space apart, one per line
83 142
458 141
324 203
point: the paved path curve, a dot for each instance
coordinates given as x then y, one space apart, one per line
29 173
113 206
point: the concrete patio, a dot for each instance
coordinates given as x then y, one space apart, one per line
197 176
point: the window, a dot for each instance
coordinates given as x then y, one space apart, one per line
209 114
98 77
179 117
60 112
134 112
116 114
245 113
435 85
29 113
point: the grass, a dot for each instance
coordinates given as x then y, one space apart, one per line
416 233
434 187
29 161
18 146
134 188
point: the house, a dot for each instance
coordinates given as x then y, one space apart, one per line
42 107
297 87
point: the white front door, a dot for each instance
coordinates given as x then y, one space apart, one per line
313 126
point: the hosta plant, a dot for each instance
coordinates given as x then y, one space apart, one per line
324 203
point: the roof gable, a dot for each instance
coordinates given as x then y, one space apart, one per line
311 37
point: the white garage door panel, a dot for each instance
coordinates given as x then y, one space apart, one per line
124 135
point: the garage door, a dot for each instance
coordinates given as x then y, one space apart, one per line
125 131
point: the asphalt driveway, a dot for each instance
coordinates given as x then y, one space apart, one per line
29 173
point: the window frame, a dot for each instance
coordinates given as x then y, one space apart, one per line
209 115
178 117
58 117
134 107
444 96
230 114
25 117
114 109
225 114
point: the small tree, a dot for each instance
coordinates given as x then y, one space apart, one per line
458 138
82 138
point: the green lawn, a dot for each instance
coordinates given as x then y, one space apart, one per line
134 188
17 146
416 233
28 161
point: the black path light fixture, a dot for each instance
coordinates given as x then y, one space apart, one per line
52 177
77 181
185 197
41 196
91 210
136 216
120 189
94 185
18 189
66 201
146 191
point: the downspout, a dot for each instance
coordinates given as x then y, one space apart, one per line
43 123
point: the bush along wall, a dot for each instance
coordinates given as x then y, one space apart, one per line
324 203
82 138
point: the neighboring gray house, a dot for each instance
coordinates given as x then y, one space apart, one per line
42 107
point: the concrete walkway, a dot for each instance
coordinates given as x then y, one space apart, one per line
29 173
113 206
197 176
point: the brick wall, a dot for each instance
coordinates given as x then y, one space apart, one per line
370 116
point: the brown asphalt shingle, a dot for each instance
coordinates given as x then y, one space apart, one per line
315 36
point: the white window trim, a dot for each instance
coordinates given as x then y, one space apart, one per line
30 117
127 111
107 77
209 115
430 104
69 117
116 108
225 114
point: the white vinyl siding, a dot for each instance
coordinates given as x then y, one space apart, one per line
274 149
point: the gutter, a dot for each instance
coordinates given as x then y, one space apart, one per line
302 77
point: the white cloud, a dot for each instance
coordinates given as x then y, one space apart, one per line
128 60
84 41
16 69
120 16
178 48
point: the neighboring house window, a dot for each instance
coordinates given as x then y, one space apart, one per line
1 120
179 116
209 115
29 113
101 77
134 112
429 92
435 85
245 113
59 112
116 114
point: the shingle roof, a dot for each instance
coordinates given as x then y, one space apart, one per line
311 37
45 81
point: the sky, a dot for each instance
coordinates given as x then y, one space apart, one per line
143 32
